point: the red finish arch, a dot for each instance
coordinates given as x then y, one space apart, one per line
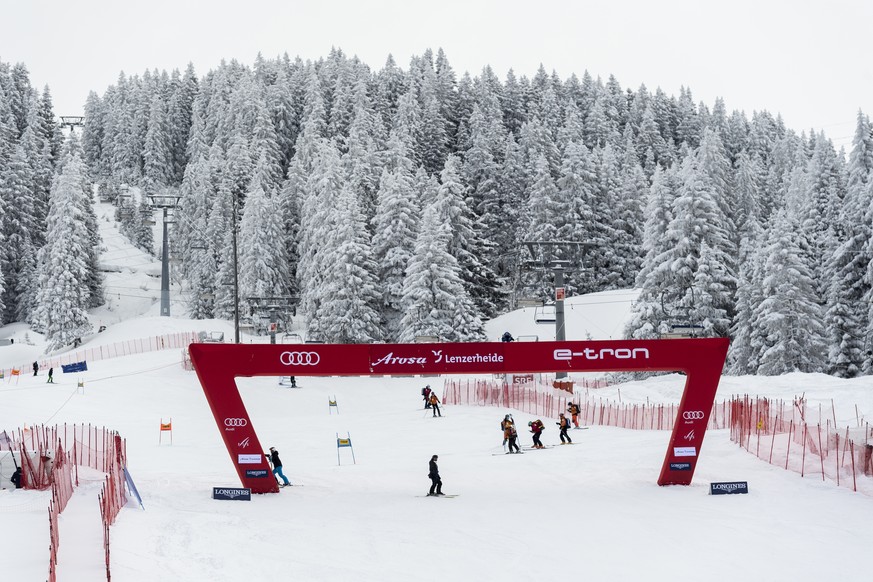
217 365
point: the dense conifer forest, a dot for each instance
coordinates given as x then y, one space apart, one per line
394 203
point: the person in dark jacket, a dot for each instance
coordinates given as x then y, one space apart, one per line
425 392
507 337
436 484
277 466
16 478
50 380
35 368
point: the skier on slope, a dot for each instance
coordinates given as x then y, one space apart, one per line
564 424
511 434
425 393
573 409
277 466
436 484
536 429
435 404
507 420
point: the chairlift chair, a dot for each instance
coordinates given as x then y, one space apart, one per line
545 313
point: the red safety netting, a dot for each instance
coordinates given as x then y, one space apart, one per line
786 434
56 466
125 348
62 490
542 399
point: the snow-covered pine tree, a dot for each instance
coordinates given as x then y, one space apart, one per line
467 244
323 186
395 228
434 298
697 220
747 341
363 159
17 256
158 169
62 290
577 192
262 261
789 313
846 316
648 319
349 311
199 263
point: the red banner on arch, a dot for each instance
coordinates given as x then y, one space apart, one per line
217 365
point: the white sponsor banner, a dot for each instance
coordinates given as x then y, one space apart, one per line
249 459
685 451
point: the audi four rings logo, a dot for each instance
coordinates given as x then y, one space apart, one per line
235 422
692 415
299 358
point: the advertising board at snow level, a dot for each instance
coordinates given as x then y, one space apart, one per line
728 488
232 493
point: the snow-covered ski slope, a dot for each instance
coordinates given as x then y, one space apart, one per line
591 511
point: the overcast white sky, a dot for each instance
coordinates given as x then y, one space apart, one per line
809 61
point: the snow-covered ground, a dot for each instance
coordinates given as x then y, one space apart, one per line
591 511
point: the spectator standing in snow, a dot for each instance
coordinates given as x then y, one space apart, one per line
507 337
35 368
50 380
564 424
16 478
436 484
277 465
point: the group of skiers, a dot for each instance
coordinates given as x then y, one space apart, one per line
50 373
510 433
507 426
431 401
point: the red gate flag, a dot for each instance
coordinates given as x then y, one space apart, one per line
700 359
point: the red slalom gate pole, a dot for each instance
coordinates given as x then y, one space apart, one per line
773 442
803 456
821 453
854 481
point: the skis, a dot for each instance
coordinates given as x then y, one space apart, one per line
509 453
539 448
446 496
580 428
